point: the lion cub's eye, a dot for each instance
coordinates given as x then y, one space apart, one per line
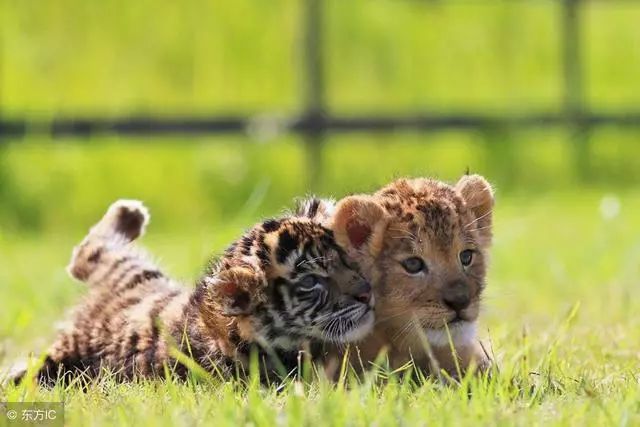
466 257
414 265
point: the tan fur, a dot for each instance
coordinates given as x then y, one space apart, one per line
435 222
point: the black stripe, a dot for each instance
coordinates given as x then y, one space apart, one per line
312 207
114 267
150 353
95 256
287 243
270 225
121 306
245 244
263 256
133 341
308 208
278 299
144 276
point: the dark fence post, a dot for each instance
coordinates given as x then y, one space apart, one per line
314 114
574 107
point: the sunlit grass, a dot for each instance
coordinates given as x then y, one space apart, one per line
560 314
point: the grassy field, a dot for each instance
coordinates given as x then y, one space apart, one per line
561 312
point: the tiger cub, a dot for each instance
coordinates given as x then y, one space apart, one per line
285 285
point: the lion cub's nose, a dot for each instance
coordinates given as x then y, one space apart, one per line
456 295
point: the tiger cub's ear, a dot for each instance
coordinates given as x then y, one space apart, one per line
358 224
236 291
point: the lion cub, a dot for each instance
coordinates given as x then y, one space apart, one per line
424 246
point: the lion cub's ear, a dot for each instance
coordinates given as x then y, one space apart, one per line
478 195
358 225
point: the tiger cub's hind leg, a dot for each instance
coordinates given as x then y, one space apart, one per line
106 249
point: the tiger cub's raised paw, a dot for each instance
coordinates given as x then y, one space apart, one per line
127 218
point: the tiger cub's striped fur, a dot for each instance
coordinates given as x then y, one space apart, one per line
285 284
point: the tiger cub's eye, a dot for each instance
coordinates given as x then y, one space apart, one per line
466 257
309 281
414 265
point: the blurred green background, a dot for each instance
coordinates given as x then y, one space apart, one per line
75 58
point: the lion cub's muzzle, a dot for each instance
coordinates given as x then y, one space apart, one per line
456 295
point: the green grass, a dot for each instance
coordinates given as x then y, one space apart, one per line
554 253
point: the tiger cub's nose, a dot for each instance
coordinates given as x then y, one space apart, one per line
362 293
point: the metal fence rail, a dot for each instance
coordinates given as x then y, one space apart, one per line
305 125
316 121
